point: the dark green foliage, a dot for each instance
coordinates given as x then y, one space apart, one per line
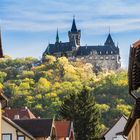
81 109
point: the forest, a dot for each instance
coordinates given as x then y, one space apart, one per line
42 86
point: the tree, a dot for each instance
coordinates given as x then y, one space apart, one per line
81 109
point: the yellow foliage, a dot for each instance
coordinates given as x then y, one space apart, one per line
1 86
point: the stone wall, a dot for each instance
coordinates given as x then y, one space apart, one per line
105 62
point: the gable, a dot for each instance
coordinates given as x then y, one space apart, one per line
118 127
9 127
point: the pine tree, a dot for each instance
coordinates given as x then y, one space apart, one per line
81 109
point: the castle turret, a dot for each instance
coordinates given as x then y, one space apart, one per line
74 34
1 51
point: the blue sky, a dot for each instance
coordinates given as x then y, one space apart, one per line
29 25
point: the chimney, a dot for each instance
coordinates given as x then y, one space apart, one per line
16 117
26 107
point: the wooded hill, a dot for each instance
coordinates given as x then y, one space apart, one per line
43 87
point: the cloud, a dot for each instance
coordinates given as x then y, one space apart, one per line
46 15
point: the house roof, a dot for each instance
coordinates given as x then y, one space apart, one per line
18 127
63 128
123 116
3 99
24 113
134 67
135 114
36 127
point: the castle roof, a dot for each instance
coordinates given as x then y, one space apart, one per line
109 41
82 50
100 50
73 28
58 47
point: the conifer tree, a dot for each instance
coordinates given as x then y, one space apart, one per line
81 109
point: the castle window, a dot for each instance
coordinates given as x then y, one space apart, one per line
106 58
113 58
101 58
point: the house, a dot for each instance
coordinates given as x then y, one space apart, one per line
3 104
11 131
115 131
106 56
17 113
132 128
41 129
64 130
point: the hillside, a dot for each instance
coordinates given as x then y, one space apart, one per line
43 87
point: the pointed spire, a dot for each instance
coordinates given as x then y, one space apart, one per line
1 51
109 41
57 36
73 28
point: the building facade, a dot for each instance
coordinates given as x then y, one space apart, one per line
132 127
105 56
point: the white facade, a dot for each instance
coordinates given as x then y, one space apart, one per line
117 128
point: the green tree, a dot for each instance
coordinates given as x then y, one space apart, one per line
81 109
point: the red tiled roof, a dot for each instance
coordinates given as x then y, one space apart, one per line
24 113
62 128
136 44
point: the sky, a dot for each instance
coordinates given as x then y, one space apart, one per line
28 26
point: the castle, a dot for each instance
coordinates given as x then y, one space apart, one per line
105 56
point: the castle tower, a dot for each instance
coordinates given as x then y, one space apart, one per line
74 34
1 51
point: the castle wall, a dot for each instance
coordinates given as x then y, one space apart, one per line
105 62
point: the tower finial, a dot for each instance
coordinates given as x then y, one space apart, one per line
109 29
57 36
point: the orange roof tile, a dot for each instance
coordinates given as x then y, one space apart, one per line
62 128
136 44
24 113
